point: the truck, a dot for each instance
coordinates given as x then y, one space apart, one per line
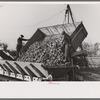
33 71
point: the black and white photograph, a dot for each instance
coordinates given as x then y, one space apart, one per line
49 42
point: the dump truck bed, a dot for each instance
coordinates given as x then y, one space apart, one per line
78 34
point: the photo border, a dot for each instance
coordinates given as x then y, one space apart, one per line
50 98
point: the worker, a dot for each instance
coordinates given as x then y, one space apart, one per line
67 46
20 45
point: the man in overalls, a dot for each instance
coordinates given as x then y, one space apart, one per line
67 46
20 45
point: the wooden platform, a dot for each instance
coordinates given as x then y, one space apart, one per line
23 71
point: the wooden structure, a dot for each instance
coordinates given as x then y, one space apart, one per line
21 71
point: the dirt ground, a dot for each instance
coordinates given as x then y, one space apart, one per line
90 74
93 72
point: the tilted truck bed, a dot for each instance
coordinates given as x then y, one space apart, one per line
78 34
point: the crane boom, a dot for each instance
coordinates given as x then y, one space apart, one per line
69 12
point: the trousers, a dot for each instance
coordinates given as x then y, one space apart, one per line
67 52
18 48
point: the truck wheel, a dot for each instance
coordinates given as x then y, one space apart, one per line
81 64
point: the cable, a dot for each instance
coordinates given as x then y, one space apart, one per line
73 16
47 19
41 21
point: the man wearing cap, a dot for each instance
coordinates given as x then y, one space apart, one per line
67 46
20 45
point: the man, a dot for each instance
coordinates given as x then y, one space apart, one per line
20 45
67 46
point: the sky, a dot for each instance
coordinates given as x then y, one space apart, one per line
24 18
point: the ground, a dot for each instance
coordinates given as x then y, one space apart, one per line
93 72
90 74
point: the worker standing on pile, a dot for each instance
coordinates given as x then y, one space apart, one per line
20 45
67 46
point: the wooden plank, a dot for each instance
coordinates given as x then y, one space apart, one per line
6 78
41 69
7 69
2 67
34 71
21 70
38 71
12 67
30 72
12 63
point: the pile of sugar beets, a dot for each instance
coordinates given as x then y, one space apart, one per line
49 51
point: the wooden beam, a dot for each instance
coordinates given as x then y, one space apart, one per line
20 69
39 72
7 69
14 70
30 73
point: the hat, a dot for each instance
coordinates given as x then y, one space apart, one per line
22 35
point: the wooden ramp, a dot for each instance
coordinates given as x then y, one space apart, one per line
23 71
5 55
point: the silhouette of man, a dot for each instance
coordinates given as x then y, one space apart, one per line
20 45
67 46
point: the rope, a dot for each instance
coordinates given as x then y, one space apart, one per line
47 18
40 21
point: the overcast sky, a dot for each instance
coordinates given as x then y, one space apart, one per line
25 18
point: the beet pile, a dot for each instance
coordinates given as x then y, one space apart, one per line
49 52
